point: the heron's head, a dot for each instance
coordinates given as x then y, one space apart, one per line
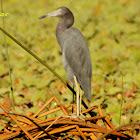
59 12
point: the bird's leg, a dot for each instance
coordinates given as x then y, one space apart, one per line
73 100
80 103
77 97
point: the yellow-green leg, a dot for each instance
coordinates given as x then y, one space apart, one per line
77 97
78 101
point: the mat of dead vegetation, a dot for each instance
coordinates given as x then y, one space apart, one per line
65 126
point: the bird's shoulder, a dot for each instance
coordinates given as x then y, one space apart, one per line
72 36
74 33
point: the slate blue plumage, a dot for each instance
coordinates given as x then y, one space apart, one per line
75 52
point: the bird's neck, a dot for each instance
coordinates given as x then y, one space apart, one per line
64 24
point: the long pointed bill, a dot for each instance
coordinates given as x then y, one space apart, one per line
55 13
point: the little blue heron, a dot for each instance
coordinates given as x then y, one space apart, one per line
75 53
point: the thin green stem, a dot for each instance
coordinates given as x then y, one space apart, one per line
121 101
8 60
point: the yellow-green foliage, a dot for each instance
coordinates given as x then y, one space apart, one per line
112 30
